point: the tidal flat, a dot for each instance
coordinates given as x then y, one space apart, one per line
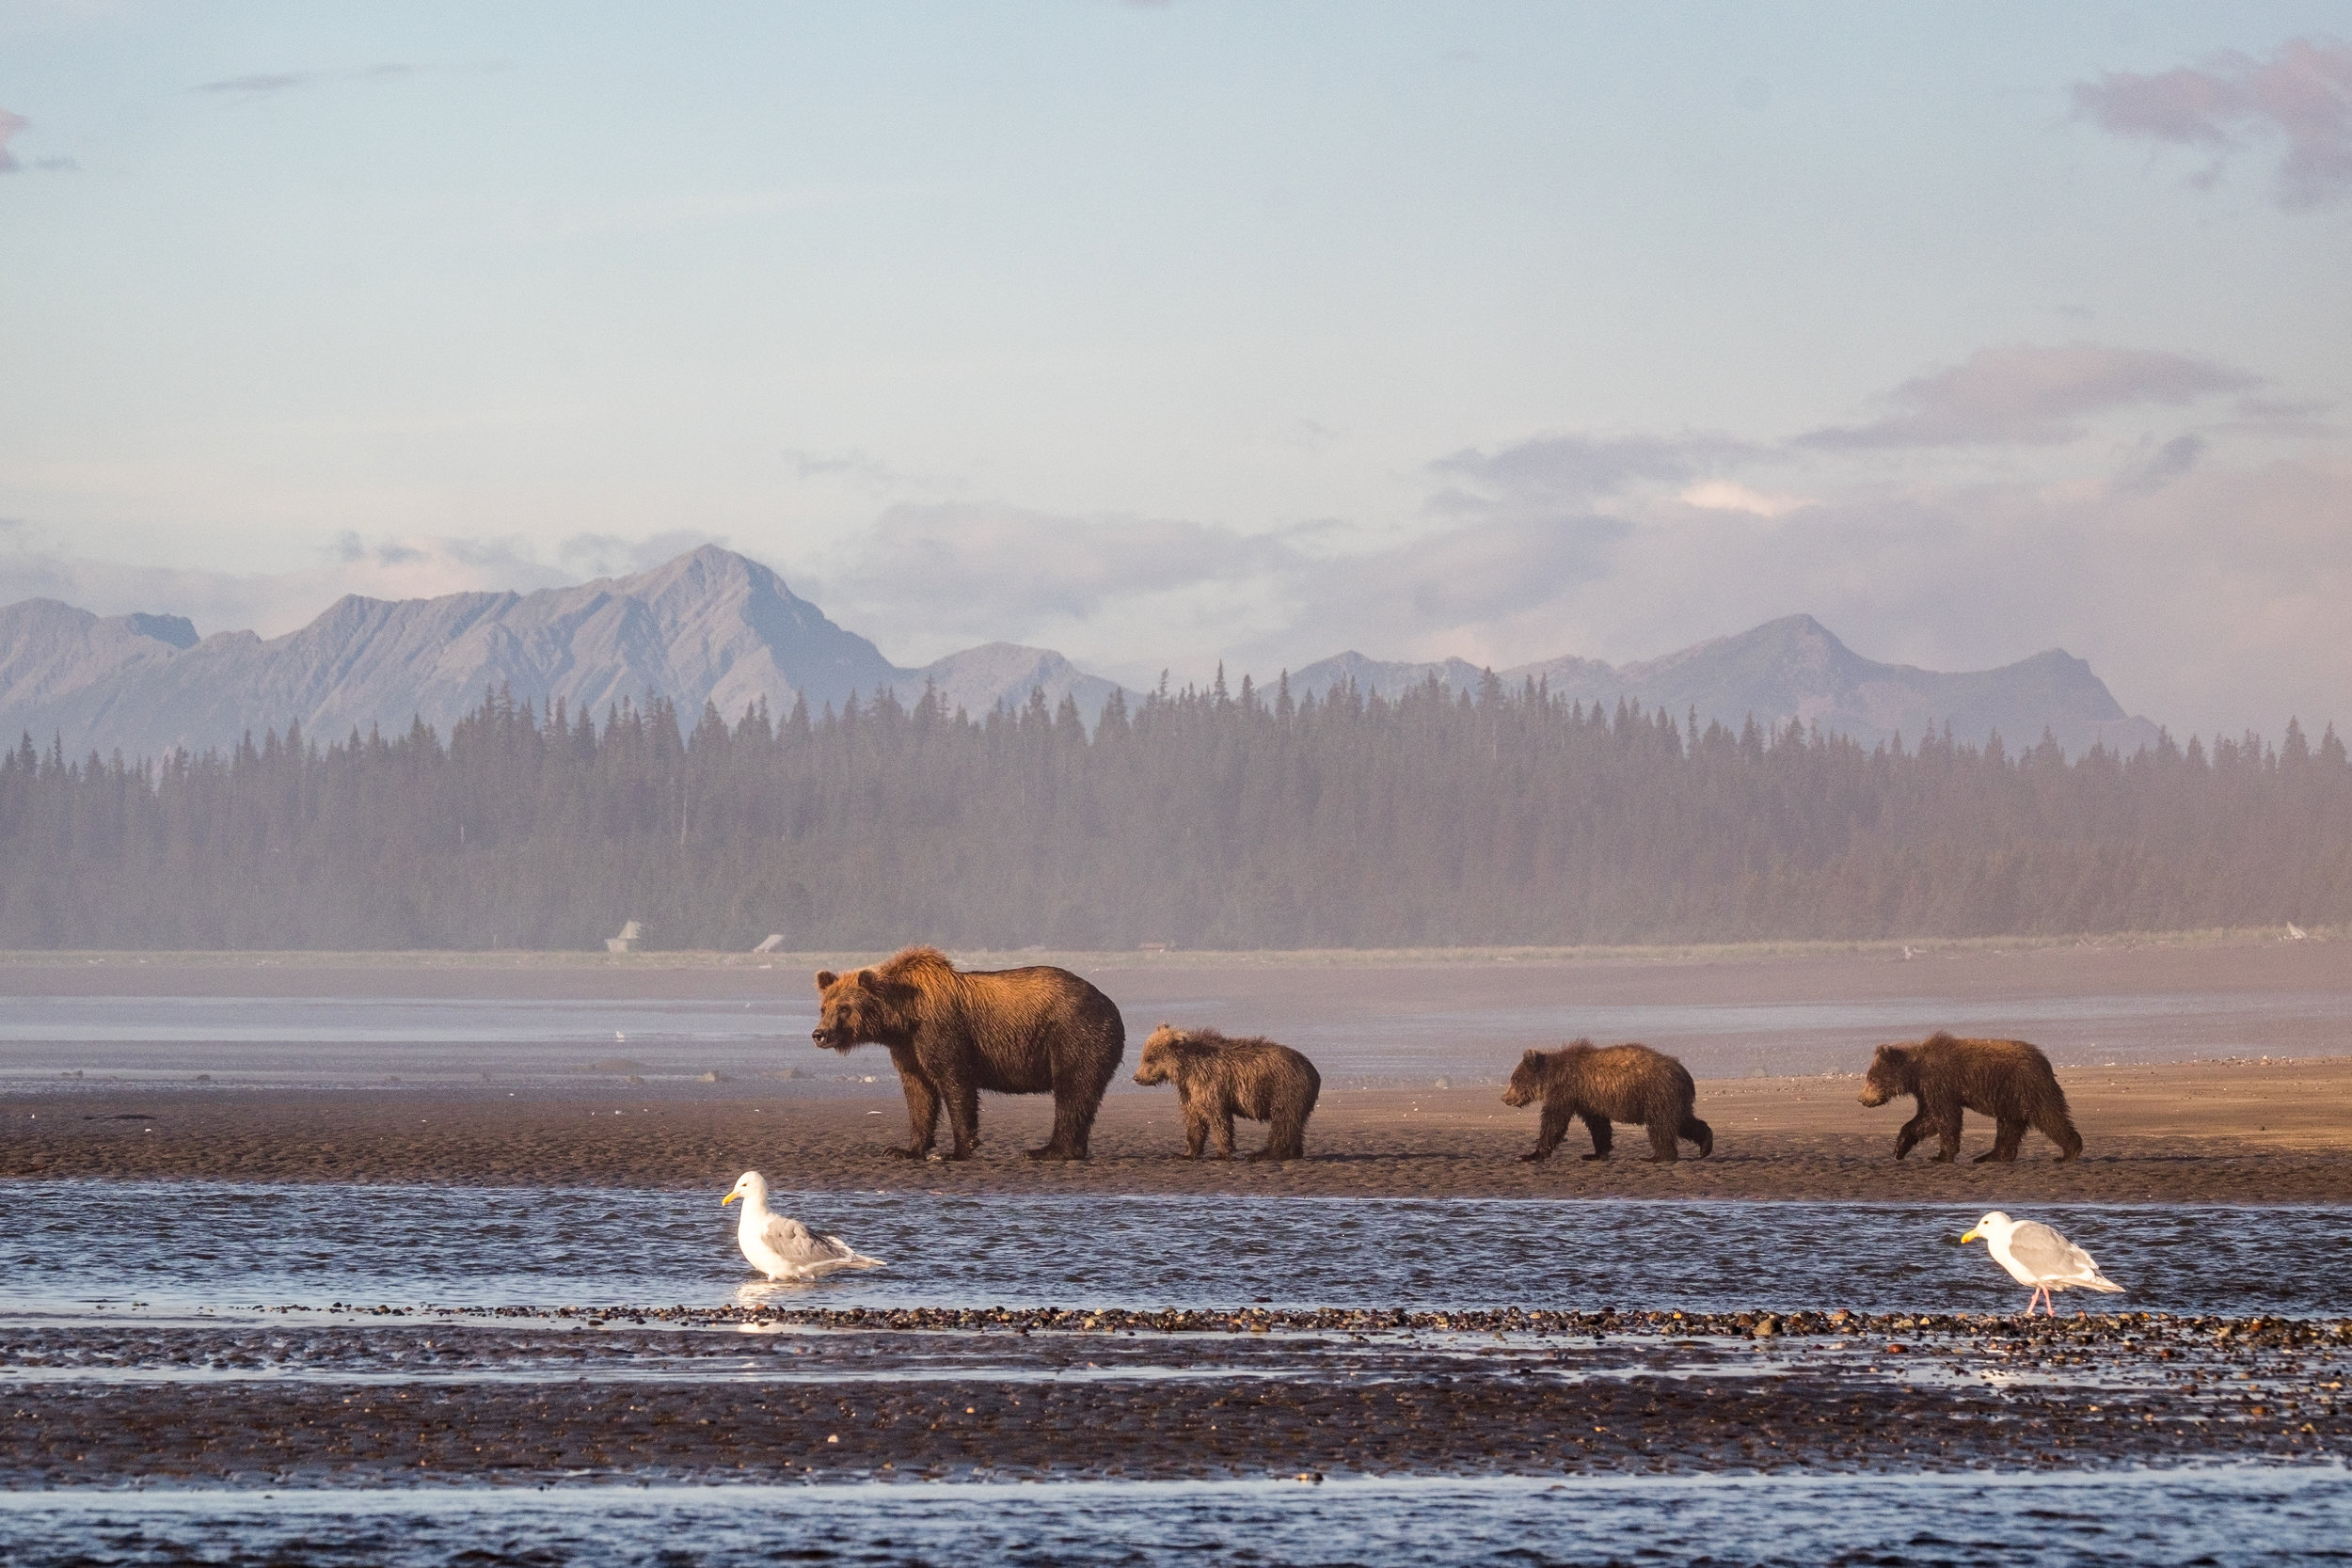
408 1264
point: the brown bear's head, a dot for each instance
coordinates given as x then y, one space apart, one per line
1527 1079
1158 1062
1890 1074
854 1009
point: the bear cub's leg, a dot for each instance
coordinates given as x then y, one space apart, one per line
1549 1131
1196 1119
1947 1136
1597 1125
1699 1133
2007 1133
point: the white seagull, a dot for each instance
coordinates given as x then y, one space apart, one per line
781 1247
2038 1256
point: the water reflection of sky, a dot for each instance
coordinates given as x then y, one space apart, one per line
184 1245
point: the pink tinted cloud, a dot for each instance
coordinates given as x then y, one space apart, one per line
2030 395
2301 95
9 125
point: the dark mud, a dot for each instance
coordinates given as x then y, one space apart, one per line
2203 1133
761 1395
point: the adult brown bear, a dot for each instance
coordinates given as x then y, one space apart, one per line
1218 1078
1599 1085
953 1033
2007 1080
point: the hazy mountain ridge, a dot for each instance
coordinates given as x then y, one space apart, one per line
709 626
1795 668
715 626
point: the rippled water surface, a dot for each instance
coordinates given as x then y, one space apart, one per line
2304 1514
73 1245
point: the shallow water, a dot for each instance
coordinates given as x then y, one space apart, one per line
328 1041
2222 1516
83 1246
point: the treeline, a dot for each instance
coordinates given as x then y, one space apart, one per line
1204 820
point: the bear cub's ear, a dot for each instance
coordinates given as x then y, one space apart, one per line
825 978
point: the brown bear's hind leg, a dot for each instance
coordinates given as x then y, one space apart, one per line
1662 1142
2006 1136
1286 1140
2059 1127
1602 1137
1077 1094
1700 1134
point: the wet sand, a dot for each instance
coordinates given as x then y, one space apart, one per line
2216 1131
1294 1394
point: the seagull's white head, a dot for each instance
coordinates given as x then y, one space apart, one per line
1993 1226
751 1186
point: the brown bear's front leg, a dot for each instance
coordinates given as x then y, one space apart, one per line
2007 1137
1603 1138
1914 1130
922 1112
1195 1124
1549 1131
1224 1125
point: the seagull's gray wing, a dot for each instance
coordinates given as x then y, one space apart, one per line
2048 1255
795 1245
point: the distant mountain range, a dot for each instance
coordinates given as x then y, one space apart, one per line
1794 668
714 626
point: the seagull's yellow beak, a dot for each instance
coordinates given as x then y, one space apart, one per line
729 1199
1968 1236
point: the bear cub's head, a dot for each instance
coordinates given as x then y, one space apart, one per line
857 1010
1160 1054
1890 1074
1528 1079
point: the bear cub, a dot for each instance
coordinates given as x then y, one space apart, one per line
2007 1080
1218 1078
1599 1085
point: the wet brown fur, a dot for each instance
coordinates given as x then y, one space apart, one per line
1599 1085
2007 1080
955 1033
1218 1078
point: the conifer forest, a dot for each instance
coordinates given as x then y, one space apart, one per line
1197 818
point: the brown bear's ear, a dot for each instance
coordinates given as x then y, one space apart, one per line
825 979
1533 1057
865 979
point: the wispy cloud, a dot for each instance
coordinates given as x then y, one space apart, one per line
2030 396
2300 97
9 125
1574 470
264 83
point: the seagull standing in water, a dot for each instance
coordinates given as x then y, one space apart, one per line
2038 1256
781 1247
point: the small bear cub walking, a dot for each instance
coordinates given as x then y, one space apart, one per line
1599 1085
1218 1078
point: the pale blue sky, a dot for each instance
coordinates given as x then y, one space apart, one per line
1171 333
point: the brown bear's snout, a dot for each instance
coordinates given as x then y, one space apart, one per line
1872 1095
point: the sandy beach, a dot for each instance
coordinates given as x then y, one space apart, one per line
2222 1132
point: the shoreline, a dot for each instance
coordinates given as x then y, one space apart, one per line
2277 1132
